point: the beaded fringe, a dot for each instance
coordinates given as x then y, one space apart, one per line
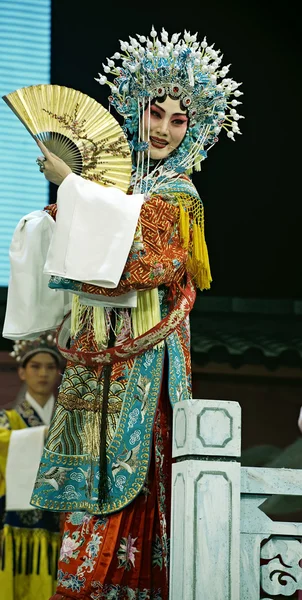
145 316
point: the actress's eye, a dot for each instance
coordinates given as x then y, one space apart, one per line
178 122
154 113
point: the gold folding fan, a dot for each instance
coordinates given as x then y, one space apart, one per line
77 129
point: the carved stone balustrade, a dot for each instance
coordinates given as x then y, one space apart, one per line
205 528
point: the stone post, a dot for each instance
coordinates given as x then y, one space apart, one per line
205 524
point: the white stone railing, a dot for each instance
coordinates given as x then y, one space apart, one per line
261 538
218 532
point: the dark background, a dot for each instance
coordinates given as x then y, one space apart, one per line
251 188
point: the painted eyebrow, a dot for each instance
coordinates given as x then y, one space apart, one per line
174 114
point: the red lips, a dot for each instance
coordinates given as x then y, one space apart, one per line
157 142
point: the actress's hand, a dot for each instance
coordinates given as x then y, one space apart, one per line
53 168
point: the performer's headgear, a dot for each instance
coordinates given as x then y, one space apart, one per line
183 69
25 349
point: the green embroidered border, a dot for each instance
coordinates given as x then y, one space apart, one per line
40 499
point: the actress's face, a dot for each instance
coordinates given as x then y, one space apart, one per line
168 126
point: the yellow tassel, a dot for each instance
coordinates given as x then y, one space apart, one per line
77 314
36 555
25 570
184 226
99 326
147 313
191 229
54 559
198 260
197 165
17 540
23 550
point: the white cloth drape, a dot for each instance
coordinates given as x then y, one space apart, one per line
32 307
24 455
89 242
94 232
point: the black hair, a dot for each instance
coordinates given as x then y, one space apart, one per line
28 358
162 99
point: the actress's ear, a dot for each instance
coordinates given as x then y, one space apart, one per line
21 373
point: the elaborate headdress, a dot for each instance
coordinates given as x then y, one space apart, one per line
183 69
25 349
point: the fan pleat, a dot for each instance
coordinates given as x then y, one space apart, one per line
76 128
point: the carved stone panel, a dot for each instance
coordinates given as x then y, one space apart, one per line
282 573
205 531
207 428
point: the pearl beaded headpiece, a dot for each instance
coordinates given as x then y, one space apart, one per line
181 68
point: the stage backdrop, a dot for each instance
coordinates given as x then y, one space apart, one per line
24 60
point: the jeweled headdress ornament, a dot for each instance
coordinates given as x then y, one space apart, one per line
24 349
181 68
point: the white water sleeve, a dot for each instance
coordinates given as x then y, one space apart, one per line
23 460
32 307
94 232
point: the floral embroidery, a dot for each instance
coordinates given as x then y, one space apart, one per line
70 582
157 270
76 518
126 553
102 523
176 263
70 545
94 544
118 592
83 519
159 459
157 553
92 549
